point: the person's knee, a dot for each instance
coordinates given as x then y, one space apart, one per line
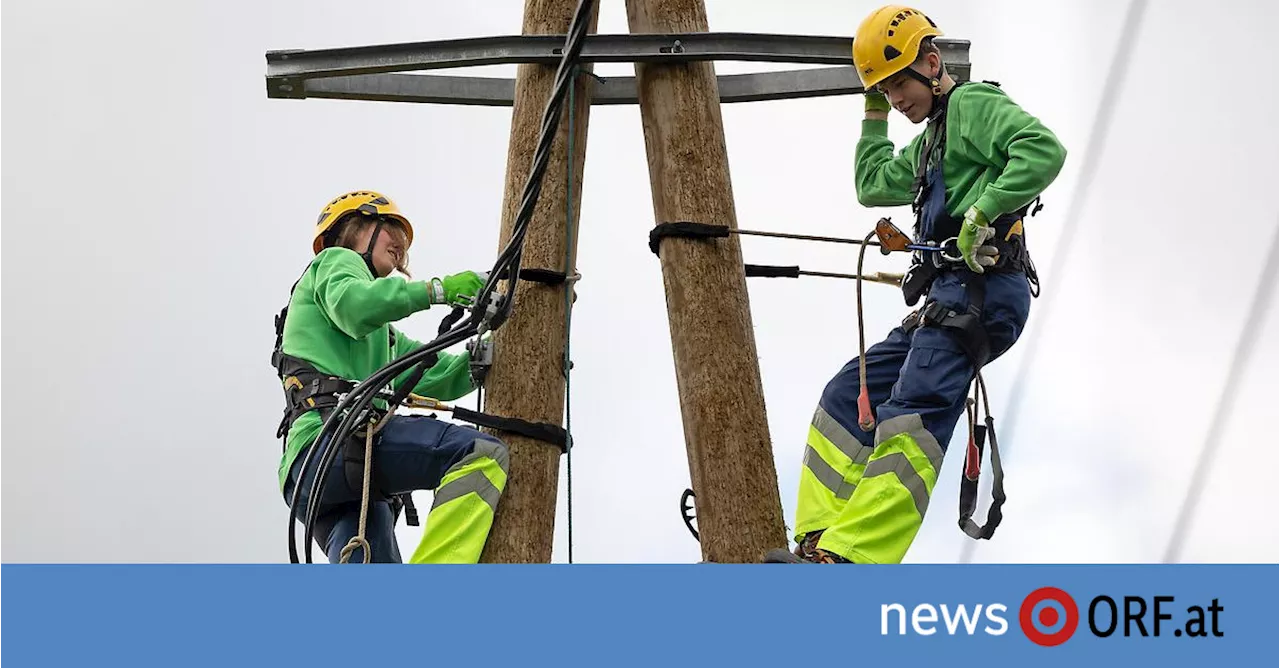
488 446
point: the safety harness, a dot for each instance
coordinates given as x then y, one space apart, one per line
306 388
934 226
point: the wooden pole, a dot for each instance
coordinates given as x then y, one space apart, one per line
722 402
527 379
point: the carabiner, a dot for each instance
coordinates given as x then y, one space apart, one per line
942 248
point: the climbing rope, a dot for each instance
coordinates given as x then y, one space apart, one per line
487 312
866 419
358 541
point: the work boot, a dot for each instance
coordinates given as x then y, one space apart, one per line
780 555
808 546
824 557
820 556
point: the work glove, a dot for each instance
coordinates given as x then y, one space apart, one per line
876 101
457 289
974 232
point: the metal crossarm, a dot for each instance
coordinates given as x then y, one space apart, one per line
375 72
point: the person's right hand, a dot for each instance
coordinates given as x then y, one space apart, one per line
455 288
875 104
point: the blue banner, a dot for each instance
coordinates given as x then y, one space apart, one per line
597 615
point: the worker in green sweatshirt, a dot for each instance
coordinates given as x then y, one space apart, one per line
336 331
970 177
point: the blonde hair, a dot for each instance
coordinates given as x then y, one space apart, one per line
354 224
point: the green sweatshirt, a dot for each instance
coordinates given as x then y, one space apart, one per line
998 157
339 321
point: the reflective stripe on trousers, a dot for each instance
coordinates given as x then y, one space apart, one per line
833 463
462 513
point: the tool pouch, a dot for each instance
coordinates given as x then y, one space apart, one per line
917 280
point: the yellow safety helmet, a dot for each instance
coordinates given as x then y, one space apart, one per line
366 202
888 41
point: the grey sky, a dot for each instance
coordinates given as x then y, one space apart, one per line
159 206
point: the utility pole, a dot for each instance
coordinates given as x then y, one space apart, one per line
527 379
717 373
718 378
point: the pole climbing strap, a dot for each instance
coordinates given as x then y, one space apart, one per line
771 271
541 431
543 276
684 229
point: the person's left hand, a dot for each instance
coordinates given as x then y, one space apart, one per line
974 232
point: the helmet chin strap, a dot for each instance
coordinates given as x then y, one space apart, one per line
934 84
368 252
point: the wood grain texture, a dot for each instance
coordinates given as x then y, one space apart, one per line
526 380
718 376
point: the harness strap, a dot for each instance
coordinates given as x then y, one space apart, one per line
404 502
1010 243
306 389
973 468
966 326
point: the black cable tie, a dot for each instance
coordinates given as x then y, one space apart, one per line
541 431
686 230
771 271
543 276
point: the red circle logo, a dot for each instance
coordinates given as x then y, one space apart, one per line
1048 616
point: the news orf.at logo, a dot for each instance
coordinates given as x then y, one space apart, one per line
1048 616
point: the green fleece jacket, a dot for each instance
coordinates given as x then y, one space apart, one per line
998 157
340 319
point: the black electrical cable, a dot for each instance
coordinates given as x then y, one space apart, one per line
354 407
509 259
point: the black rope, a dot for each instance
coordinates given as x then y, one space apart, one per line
355 408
